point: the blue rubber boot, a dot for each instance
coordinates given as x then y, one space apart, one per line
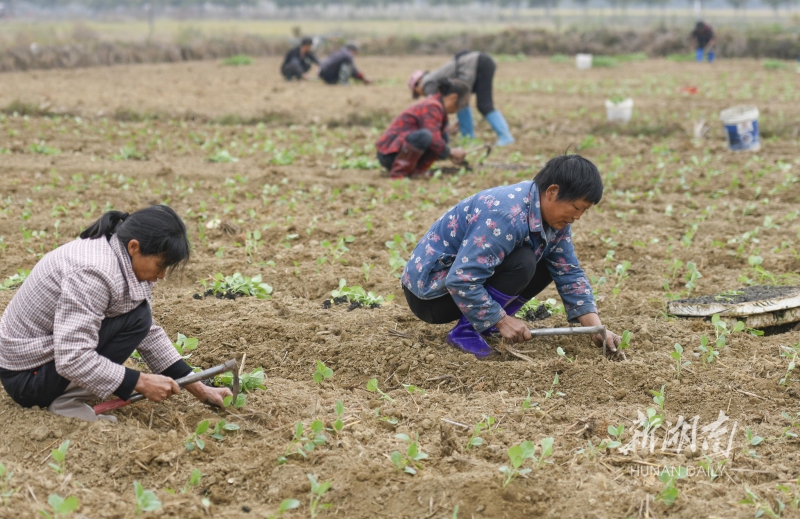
465 124
500 127
711 56
464 336
699 55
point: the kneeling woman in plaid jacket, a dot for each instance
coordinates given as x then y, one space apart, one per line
417 137
83 310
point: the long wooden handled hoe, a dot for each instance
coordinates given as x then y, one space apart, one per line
230 365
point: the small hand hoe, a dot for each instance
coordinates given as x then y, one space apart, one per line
230 365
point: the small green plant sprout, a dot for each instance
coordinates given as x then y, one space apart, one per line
762 507
677 356
222 157
318 491
625 340
792 494
649 420
408 462
481 427
15 281
412 389
184 345
194 481
194 439
616 433
129 152
527 404
549 393
669 477
707 350
303 442
285 506
710 468
659 397
59 456
5 485
563 355
238 60
535 309
237 285
751 440
787 431
323 372
338 425
789 352
146 500
398 252
519 453
335 250
357 296
247 381
40 148
692 275
372 387
61 507
221 427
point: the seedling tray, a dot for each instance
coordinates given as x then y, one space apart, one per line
758 307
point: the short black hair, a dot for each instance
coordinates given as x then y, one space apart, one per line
576 178
306 41
158 229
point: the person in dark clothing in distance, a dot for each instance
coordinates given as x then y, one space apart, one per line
339 68
416 138
703 38
298 61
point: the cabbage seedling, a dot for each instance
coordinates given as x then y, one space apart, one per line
194 480
484 425
247 381
762 508
146 500
659 397
218 432
751 440
563 355
712 469
517 455
323 372
625 342
372 387
408 462
318 490
616 433
787 431
5 481
792 494
338 425
61 507
677 355
670 477
59 456
184 345
15 281
237 285
194 440
302 443
549 394
285 506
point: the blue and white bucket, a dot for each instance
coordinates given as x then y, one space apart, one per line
741 125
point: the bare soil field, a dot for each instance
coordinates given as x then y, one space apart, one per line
304 178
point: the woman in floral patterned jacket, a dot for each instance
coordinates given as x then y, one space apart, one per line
492 252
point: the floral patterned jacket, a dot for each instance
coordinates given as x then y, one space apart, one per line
462 248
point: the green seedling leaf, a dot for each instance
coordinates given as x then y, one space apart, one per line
323 372
146 500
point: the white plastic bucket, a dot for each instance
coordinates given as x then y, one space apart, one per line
619 112
741 125
583 61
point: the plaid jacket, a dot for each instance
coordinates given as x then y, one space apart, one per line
462 248
57 312
427 114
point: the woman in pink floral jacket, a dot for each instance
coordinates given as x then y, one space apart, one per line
492 252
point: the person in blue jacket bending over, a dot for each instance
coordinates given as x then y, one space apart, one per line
492 252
